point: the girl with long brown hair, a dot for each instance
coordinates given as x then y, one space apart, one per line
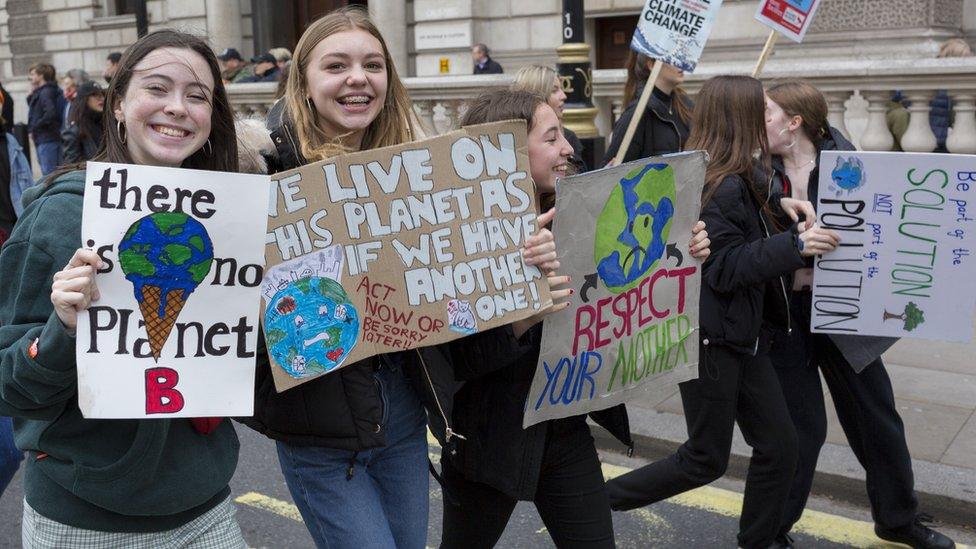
352 445
742 295
797 128
663 127
113 482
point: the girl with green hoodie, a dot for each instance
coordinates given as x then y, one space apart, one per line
113 483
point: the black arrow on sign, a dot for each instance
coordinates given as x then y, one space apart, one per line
589 281
674 252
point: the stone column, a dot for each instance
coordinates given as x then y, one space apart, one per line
224 24
918 137
876 136
962 138
390 16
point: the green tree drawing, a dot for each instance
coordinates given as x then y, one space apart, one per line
912 316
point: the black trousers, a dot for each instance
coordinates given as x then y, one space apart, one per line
731 387
865 405
571 498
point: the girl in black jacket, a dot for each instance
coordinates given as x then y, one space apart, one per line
82 135
554 464
663 127
742 294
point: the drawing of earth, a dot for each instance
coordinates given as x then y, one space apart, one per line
632 230
310 326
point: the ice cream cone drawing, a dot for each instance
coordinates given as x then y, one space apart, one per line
165 256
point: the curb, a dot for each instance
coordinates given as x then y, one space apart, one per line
944 491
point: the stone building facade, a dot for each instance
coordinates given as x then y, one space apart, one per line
433 37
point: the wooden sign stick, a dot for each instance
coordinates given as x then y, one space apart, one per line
767 49
638 113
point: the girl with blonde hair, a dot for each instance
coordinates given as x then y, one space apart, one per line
544 82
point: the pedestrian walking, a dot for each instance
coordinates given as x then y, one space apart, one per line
44 116
742 296
116 482
553 464
82 134
483 64
797 129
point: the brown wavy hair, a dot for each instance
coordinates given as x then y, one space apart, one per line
392 126
799 98
729 124
638 71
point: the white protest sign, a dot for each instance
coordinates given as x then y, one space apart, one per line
903 267
675 31
631 330
792 18
175 331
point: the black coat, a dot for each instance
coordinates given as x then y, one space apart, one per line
659 131
577 160
45 113
344 409
75 148
8 110
497 370
491 67
742 280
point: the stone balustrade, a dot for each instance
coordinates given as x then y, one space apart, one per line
858 95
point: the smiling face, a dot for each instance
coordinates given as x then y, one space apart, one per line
346 81
167 107
557 97
549 152
780 127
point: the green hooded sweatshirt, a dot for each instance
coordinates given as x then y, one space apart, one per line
112 475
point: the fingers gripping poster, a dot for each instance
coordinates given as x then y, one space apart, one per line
398 248
903 267
174 332
631 330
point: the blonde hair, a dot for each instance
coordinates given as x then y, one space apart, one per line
536 79
392 126
955 47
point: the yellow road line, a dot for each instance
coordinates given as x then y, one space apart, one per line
267 503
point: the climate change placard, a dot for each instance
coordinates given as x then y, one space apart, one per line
398 248
175 331
675 31
631 331
791 18
904 265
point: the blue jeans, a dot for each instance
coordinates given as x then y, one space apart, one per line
48 156
10 456
385 502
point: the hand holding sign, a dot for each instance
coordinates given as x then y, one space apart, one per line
74 286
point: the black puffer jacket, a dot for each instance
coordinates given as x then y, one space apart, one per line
498 369
742 279
344 409
659 131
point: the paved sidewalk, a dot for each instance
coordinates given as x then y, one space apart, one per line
935 389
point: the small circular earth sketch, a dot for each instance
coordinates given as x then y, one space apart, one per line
310 326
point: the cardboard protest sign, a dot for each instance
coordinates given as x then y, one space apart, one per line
791 18
175 331
631 331
398 248
675 31
903 267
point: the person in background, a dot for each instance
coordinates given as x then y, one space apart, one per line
265 69
111 65
482 63
69 89
113 482
82 135
544 81
6 109
282 57
232 65
44 116
663 128
797 130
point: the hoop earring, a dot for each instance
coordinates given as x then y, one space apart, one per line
208 148
119 127
793 135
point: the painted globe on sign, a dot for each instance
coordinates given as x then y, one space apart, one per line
310 326
633 227
170 250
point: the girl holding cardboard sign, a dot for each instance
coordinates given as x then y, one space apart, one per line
554 464
353 444
742 295
113 483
